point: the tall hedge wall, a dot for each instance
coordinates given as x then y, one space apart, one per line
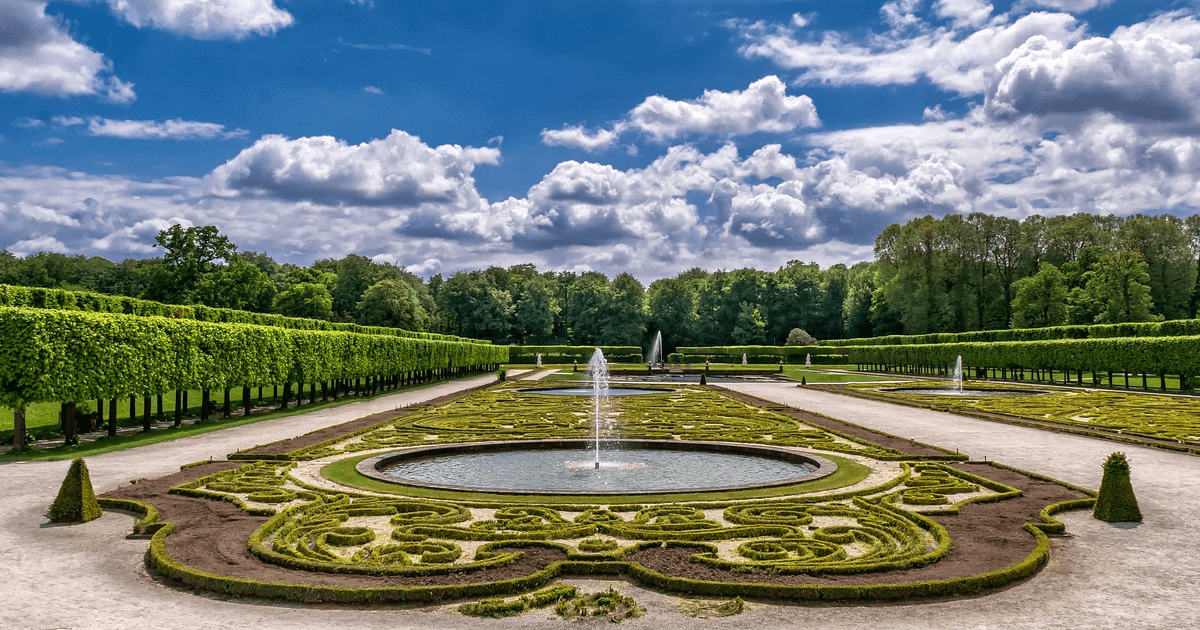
567 354
1173 328
1139 355
63 355
59 299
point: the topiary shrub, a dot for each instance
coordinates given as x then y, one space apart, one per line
76 502
502 374
1115 502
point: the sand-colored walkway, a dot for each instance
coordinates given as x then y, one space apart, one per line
90 576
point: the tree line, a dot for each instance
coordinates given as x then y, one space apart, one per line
953 274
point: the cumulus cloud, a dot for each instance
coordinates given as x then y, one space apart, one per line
1073 6
175 129
1148 70
963 12
205 19
954 58
398 170
31 246
38 55
371 89
763 107
575 136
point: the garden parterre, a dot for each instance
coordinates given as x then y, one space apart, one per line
883 529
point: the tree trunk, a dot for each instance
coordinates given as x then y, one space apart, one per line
68 421
178 407
112 417
287 394
158 408
19 427
228 408
205 404
132 409
146 414
185 402
246 400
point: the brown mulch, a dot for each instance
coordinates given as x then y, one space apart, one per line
885 440
986 537
284 447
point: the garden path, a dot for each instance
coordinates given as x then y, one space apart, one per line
1103 576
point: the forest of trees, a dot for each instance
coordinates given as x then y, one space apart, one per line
951 274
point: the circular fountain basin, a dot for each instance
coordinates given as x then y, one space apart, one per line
568 467
588 391
965 392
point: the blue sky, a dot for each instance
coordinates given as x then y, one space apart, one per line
647 137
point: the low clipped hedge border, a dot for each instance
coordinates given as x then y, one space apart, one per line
158 560
147 524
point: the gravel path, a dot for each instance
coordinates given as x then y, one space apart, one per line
90 576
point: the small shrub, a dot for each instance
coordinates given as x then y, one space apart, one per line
708 609
609 604
1115 502
502 374
800 337
76 501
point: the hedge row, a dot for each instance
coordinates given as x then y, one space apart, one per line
1139 355
60 355
756 354
569 354
60 299
1172 328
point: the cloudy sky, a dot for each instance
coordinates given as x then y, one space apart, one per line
647 137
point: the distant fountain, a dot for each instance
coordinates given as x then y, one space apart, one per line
655 359
598 372
958 385
539 359
808 360
744 359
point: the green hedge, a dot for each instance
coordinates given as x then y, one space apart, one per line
61 355
756 354
59 299
568 354
1172 328
1138 355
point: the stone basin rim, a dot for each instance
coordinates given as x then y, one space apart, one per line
370 467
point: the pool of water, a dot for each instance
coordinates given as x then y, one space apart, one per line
626 470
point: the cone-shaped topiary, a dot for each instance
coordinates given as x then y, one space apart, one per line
1115 502
76 502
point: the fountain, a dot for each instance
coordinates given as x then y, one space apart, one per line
808 360
655 358
743 359
957 384
598 372
539 359
956 388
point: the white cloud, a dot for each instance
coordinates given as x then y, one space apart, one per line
67 121
372 90
934 113
390 46
398 170
577 137
154 130
954 59
205 19
1148 70
1073 6
44 215
26 123
963 12
32 246
763 107
38 55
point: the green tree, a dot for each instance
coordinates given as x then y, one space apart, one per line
305 300
587 304
750 328
800 337
1118 286
671 310
191 253
624 318
473 306
534 306
392 303
1041 299
239 285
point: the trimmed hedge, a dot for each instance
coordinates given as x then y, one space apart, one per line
1171 328
61 299
1139 355
1116 503
76 501
569 354
59 355
757 354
